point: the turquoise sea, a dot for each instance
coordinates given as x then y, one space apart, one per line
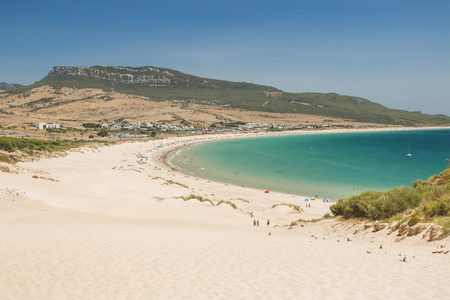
330 165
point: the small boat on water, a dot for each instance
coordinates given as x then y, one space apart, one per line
409 148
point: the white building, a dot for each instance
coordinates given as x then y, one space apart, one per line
40 125
45 125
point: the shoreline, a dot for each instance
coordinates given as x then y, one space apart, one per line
169 153
110 223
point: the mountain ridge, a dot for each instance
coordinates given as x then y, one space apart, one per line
4 86
162 84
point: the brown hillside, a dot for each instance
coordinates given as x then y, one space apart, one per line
73 107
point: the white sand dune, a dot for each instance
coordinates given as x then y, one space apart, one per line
98 225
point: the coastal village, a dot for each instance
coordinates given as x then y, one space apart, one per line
139 129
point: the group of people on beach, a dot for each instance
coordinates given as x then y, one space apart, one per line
256 222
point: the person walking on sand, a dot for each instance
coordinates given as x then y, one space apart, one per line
254 222
268 222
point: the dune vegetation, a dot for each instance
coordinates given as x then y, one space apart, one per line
426 201
9 145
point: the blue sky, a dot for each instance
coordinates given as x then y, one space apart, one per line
396 53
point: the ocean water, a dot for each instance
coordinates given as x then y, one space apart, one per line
330 165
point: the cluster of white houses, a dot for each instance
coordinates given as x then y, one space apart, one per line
171 127
166 127
138 125
45 125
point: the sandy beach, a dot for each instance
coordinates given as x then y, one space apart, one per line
115 223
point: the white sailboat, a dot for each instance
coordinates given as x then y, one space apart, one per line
409 148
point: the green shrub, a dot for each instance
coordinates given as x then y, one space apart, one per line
424 190
399 217
356 206
103 132
445 223
11 144
6 144
432 196
377 205
398 200
436 192
418 183
413 221
439 207
415 218
7 158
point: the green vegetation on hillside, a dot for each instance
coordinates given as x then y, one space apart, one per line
247 96
358 109
428 199
376 205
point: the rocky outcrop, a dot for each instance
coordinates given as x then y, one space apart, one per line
393 227
113 77
400 238
368 225
379 226
433 233
416 229
403 229
141 69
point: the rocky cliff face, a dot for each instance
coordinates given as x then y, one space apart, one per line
136 77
